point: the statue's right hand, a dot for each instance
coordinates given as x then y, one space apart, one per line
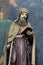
8 46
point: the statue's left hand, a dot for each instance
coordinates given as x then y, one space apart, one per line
29 33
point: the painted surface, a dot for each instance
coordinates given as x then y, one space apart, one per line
35 8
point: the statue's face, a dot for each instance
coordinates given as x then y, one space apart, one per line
23 15
22 19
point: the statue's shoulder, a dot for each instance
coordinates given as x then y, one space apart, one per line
14 24
29 24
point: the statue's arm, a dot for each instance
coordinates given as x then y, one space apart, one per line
29 30
2 58
8 45
30 34
31 38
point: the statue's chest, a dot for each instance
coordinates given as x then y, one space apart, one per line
19 32
21 29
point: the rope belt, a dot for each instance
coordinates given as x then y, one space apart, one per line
19 35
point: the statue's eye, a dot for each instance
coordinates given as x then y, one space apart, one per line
24 14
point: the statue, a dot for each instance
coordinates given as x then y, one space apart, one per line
20 42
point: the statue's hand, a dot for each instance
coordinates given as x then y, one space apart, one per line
8 46
29 33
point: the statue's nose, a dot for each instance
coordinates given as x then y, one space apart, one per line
24 16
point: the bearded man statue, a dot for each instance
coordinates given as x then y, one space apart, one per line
20 42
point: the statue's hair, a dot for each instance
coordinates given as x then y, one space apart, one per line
23 10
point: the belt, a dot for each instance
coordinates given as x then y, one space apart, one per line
20 35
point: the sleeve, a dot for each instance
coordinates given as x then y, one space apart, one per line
29 30
29 33
33 43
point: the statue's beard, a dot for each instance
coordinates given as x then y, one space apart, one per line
22 22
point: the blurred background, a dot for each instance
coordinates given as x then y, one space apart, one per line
9 12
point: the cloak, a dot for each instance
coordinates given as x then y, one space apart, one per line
14 28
